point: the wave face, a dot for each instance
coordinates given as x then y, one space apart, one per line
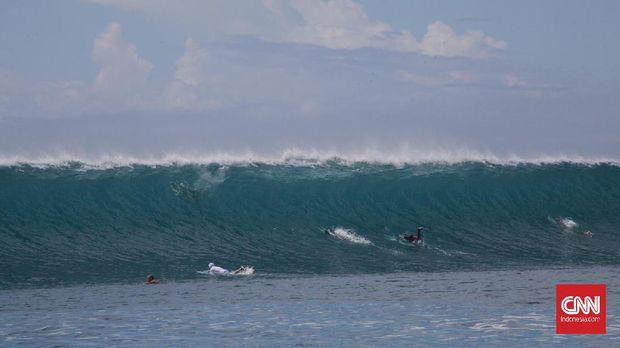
76 224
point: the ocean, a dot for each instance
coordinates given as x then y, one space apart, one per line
77 240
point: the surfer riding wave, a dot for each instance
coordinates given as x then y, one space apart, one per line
417 238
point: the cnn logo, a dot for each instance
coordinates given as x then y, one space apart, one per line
575 304
580 309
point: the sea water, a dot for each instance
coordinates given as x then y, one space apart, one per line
513 307
326 240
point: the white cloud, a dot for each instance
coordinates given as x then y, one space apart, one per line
442 41
203 82
334 24
120 84
189 66
207 80
123 72
184 92
344 24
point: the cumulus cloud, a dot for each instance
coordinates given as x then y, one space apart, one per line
203 81
184 90
123 72
334 24
442 41
189 66
344 24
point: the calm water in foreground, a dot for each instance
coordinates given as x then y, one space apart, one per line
394 310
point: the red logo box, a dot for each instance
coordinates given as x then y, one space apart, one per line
580 309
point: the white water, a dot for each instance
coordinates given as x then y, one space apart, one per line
349 235
298 157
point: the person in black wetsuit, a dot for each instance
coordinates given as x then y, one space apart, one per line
415 238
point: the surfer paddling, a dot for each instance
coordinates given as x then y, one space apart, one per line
213 269
415 238
150 280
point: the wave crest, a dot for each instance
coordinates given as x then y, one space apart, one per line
296 157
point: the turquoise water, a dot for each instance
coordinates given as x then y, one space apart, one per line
448 309
72 224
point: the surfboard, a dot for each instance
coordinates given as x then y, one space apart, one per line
248 270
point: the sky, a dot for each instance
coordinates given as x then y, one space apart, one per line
425 80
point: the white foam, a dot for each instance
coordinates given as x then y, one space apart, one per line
567 223
349 235
400 156
247 270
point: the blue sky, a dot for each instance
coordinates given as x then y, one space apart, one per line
414 78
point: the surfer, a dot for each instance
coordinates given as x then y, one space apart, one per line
565 223
415 238
588 233
151 280
223 271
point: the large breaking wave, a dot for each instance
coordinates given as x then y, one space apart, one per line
73 222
